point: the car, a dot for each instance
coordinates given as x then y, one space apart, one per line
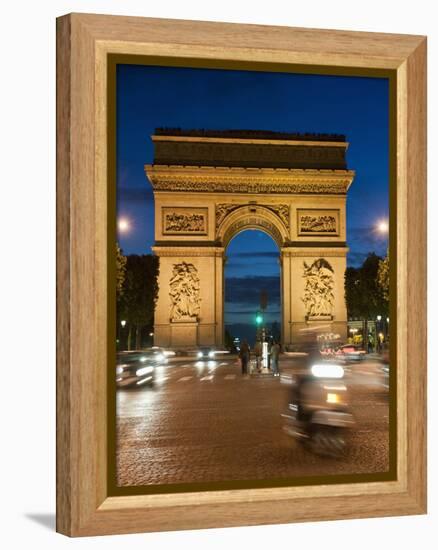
136 368
351 352
205 353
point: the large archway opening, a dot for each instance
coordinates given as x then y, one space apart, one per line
252 281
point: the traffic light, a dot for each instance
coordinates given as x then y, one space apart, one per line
259 319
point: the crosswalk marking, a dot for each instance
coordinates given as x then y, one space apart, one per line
230 377
209 377
184 378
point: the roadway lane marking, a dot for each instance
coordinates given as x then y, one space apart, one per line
210 377
184 378
230 377
223 364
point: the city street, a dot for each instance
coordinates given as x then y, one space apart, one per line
204 422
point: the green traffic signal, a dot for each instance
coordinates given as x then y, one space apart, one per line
259 319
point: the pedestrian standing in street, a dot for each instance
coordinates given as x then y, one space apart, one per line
275 354
258 350
244 356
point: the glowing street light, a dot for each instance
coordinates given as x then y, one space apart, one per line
123 225
123 323
383 227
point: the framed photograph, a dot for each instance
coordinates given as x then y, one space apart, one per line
241 280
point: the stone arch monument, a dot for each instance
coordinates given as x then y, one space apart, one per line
211 185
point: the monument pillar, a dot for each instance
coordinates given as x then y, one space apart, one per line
189 307
313 292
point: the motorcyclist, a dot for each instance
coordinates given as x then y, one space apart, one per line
302 377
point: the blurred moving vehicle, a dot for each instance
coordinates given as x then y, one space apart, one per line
352 352
206 353
347 352
385 369
318 411
136 368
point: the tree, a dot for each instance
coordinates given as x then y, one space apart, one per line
120 270
229 341
276 331
363 295
383 276
139 294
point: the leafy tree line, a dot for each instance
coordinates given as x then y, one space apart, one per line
137 293
367 290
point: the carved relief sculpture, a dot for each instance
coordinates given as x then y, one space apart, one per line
222 211
318 291
318 224
282 211
184 221
184 293
323 222
192 223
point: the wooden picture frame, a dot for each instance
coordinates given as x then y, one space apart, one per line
84 42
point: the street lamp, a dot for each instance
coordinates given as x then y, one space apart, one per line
123 225
383 227
123 323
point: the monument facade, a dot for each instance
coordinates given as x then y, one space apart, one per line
209 186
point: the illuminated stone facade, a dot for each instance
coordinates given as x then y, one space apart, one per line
210 186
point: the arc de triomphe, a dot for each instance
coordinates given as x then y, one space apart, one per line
209 186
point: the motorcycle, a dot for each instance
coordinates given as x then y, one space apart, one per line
318 413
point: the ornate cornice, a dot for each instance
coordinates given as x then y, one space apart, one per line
208 179
188 251
314 252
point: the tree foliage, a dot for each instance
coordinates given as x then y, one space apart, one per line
120 270
383 276
364 296
140 291
229 341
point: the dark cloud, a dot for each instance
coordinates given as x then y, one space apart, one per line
356 259
367 237
250 311
133 194
362 241
246 290
260 254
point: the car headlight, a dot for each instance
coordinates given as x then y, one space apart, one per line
160 357
327 371
211 354
119 370
144 370
199 353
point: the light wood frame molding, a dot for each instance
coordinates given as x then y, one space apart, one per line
83 44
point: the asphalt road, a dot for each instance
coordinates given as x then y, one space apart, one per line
204 422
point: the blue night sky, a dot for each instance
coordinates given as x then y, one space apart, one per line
149 97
